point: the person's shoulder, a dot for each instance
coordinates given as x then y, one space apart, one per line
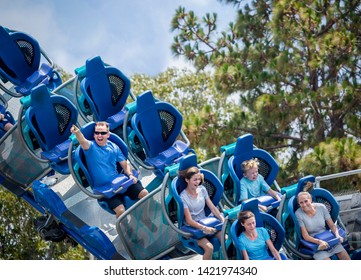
298 212
244 180
183 196
202 187
183 193
203 190
242 236
261 230
111 143
92 144
320 206
263 233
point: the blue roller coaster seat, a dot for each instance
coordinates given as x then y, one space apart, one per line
270 223
119 185
50 119
106 90
319 195
8 117
214 188
20 57
158 125
268 168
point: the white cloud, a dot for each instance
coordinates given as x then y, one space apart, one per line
134 36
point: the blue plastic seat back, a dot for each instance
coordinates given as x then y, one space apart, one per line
319 195
105 88
50 117
19 56
158 125
245 150
214 188
270 223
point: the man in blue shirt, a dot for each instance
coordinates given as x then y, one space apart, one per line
102 157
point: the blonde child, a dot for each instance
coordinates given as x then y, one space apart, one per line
253 183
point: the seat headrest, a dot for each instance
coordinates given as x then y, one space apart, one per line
251 205
40 96
244 145
145 102
3 35
88 130
188 161
94 66
302 183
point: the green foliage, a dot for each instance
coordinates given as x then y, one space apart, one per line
65 76
332 156
295 64
19 239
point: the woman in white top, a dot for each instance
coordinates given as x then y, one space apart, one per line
194 198
313 218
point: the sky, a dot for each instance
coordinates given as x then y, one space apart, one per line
131 35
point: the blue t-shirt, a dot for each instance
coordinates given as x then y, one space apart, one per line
256 249
253 188
102 162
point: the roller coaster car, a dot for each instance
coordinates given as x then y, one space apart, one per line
158 125
119 185
105 90
50 118
319 195
232 174
20 57
190 235
270 223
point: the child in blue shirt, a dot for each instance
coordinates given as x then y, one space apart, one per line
253 183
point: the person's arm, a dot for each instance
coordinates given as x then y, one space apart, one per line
245 255
214 209
83 142
128 170
273 250
262 208
322 245
334 229
273 194
243 192
193 223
